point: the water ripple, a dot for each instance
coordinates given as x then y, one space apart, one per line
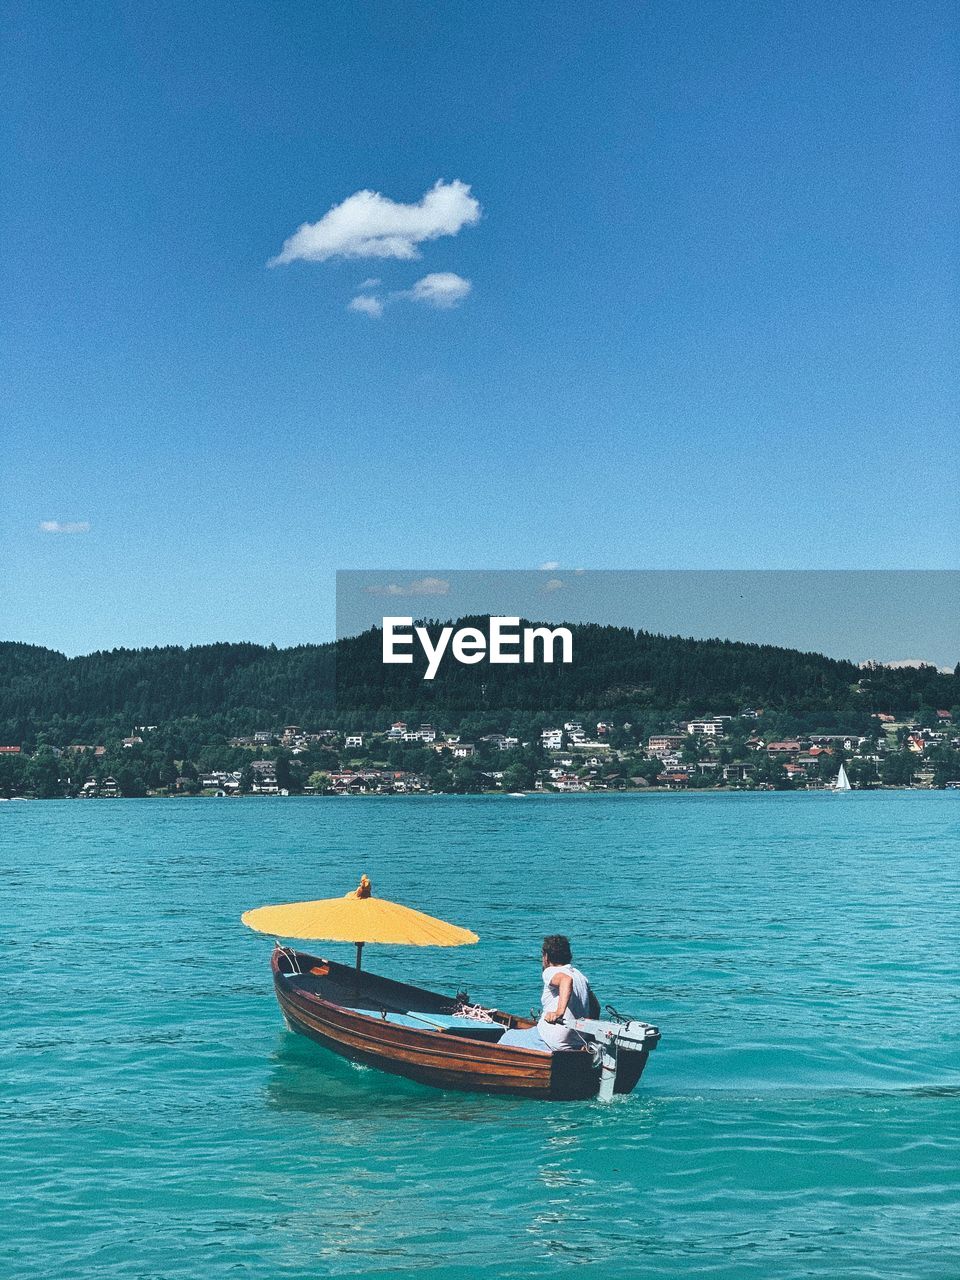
800 1119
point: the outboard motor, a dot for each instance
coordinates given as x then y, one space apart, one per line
613 1041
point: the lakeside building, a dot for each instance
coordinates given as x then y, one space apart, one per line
264 774
711 728
294 759
106 789
222 781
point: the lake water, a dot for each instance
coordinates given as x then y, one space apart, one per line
801 1117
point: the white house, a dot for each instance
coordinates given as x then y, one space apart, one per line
712 728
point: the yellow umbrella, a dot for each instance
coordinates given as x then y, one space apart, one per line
359 917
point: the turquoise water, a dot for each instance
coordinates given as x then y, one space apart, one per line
800 1119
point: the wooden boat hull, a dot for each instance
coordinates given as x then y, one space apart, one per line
325 1003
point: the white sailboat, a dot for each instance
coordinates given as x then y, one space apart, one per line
843 782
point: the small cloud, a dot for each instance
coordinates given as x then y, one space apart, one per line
367 304
418 587
550 564
64 526
443 289
370 283
554 584
370 225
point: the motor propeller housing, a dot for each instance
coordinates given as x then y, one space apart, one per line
612 1038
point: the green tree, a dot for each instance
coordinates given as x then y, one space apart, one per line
283 771
464 779
946 766
648 769
43 775
898 768
769 770
863 773
519 777
13 776
827 766
130 782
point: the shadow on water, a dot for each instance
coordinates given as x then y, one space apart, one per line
914 1091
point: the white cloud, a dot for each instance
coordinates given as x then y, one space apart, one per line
555 584
550 564
370 283
909 662
64 526
418 587
441 289
367 304
370 225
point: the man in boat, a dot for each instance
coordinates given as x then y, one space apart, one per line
566 995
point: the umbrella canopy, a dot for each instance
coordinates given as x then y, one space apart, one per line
359 918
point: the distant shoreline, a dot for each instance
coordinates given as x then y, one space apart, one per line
502 795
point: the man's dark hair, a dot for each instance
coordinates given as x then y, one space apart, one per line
557 949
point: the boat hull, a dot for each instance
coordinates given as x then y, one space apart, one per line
444 1059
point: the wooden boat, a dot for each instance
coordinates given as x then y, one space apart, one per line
440 1041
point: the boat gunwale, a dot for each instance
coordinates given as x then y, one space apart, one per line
435 1035
449 1072
434 1059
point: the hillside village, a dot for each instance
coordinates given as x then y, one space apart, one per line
710 752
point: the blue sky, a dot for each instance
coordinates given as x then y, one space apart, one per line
711 320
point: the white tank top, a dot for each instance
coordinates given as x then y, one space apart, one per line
579 1004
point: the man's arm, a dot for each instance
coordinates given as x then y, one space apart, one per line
564 984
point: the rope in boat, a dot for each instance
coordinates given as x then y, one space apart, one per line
473 1012
476 1012
291 956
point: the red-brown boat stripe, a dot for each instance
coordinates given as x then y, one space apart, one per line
360 1024
535 1074
437 1075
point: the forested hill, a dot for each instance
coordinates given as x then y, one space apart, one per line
617 673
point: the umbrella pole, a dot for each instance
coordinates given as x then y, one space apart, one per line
359 953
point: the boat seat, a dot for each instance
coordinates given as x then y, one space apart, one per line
471 1029
524 1038
447 1022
